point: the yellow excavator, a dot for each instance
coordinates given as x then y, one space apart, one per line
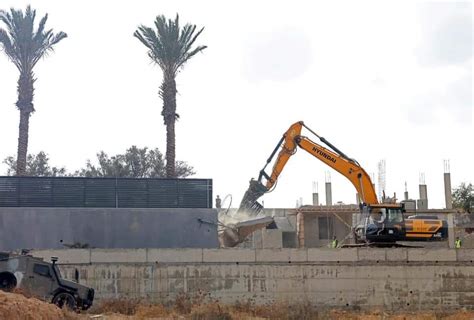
381 222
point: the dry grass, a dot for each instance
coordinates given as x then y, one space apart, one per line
120 305
200 307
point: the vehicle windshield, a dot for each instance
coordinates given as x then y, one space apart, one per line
383 215
395 215
58 273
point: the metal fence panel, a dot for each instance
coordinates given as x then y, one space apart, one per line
99 193
36 192
68 192
9 192
188 194
163 194
132 193
105 192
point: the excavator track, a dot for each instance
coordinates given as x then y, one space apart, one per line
379 245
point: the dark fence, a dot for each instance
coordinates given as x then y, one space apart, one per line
105 192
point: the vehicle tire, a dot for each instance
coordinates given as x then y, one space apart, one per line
7 281
64 299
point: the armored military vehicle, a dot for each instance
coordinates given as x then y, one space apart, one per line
42 280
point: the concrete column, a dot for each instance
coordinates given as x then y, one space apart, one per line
451 235
423 191
328 194
315 199
423 202
447 190
405 195
357 198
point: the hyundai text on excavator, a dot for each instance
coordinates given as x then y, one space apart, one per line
380 222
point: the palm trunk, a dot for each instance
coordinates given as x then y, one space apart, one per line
25 105
168 94
170 150
22 143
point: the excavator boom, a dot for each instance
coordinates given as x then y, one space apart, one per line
331 156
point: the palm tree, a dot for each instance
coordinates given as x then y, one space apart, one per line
169 47
25 47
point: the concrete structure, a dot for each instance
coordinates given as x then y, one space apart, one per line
447 186
272 239
447 191
280 234
302 227
46 228
315 199
410 205
328 194
422 203
317 225
391 279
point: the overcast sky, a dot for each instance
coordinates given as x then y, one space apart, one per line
389 80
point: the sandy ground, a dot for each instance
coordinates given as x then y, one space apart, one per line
17 307
14 306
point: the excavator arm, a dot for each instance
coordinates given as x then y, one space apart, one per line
331 156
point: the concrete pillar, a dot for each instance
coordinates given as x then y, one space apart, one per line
405 195
447 190
328 194
451 235
423 191
423 202
357 198
315 199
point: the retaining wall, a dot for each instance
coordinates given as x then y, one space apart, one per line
45 228
387 278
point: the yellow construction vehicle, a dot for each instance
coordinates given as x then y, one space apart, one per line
380 222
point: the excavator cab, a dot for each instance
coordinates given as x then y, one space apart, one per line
381 223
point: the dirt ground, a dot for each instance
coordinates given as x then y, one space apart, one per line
15 306
18 307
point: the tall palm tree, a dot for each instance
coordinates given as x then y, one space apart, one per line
25 47
170 47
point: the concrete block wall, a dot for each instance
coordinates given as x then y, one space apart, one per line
245 255
356 277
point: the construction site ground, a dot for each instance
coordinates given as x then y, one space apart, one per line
15 306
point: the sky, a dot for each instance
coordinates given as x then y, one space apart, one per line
387 80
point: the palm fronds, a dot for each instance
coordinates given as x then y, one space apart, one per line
21 43
169 45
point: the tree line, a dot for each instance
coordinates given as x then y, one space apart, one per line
134 163
169 45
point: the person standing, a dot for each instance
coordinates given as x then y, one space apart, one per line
334 242
458 243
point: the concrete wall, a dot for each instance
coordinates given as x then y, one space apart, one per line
388 278
46 228
340 228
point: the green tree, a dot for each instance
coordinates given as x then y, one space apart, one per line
36 165
134 163
25 47
170 47
463 197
